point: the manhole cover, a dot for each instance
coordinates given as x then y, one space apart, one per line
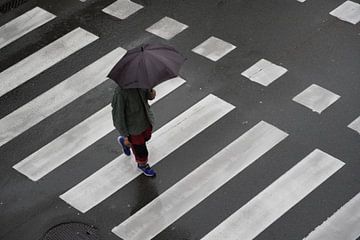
72 231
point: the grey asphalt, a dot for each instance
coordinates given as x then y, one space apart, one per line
312 45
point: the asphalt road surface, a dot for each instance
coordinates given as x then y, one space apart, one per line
258 138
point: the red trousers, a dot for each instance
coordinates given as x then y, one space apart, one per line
138 145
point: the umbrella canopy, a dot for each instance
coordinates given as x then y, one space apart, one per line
146 66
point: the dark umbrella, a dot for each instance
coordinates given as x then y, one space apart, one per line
146 66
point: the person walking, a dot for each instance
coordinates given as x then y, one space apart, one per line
136 74
134 120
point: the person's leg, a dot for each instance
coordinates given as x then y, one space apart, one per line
147 134
138 146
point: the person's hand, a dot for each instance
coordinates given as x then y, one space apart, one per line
127 142
151 94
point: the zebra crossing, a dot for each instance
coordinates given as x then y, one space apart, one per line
44 58
275 200
192 189
75 140
248 221
24 24
57 97
117 173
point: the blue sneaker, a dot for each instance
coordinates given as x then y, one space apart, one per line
147 170
125 148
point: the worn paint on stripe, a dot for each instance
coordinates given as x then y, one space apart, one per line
75 140
23 24
121 171
199 184
270 204
344 224
57 97
44 58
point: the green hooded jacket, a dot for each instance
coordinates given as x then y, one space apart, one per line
131 111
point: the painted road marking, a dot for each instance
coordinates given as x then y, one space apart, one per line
270 204
349 11
23 24
214 48
57 97
122 9
199 184
121 171
44 58
264 72
167 28
355 125
75 140
343 224
316 98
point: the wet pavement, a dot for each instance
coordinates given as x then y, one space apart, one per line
313 47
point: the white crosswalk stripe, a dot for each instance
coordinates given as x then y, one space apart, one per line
57 97
122 9
344 224
120 171
316 98
214 48
355 125
349 11
199 184
44 58
167 28
270 204
264 72
23 24
75 140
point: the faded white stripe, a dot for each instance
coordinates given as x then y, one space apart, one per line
44 58
344 224
199 184
57 97
270 204
23 24
75 140
120 171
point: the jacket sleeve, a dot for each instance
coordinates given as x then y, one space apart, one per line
118 113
